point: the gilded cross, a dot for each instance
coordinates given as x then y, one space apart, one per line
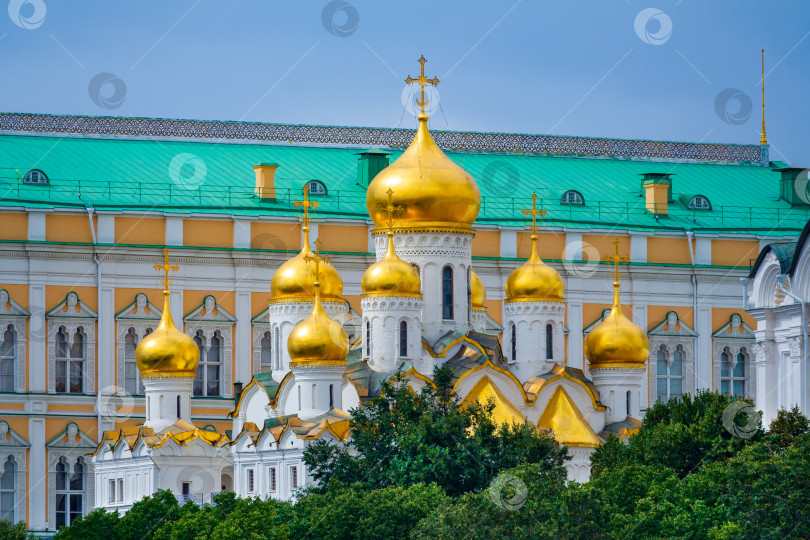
318 258
166 267
616 259
307 204
390 209
423 81
534 212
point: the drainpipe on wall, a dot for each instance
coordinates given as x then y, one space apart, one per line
98 330
689 235
780 282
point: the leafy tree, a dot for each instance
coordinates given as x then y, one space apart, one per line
404 438
787 426
147 515
97 525
14 531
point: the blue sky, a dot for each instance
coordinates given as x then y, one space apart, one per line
588 68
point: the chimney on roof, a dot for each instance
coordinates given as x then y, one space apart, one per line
266 180
369 164
657 191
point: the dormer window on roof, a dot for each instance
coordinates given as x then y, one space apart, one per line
699 202
36 177
572 197
316 187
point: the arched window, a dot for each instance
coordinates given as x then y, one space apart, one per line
277 348
36 177
266 353
209 371
131 379
368 338
549 342
316 187
447 293
732 373
670 373
299 397
69 492
629 404
178 407
403 339
572 197
7 493
514 343
69 361
699 202
7 359
314 394
331 396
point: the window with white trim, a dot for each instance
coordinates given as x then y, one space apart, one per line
316 187
669 373
132 378
732 372
293 477
573 198
272 479
70 361
250 486
70 483
120 490
699 202
209 370
403 339
8 359
266 359
35 177
8 491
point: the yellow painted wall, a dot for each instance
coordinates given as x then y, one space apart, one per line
591 312
354 301
141 231
345 238
18 293
207 233
734 252
550 246
259 301
668 250
495 310
604 245
13 226
56 425
125 296
68 407
69 228
194 299
657 314
279 236
56 294
486 244
722 316
18 425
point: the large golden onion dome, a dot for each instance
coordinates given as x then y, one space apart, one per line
617 341
434 191
317 340
534 281
294 280
478 293
167 350
391 276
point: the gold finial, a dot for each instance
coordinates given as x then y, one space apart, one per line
423 81
306 204
763 138
318 258
166 267
390 209
616 259
534 212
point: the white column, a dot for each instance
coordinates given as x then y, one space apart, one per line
105 230
37 335
241 233
703 347
36 226
174 231
573 246
105 378
177 305
576 356
37 474
509 243
703 250
638 248
371 247
640 318
243 370
313 235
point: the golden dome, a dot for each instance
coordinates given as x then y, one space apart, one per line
433 191
295 278
317 340
391 276
617 341
478 292
534 281
167 349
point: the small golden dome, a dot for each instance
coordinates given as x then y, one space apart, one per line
317 340
478 292
534 280
617 341
167 349
434 191
295 278
391 276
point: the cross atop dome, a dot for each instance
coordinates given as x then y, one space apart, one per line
390 209
422 81
166 267
534 212
318 258
306 205
616 259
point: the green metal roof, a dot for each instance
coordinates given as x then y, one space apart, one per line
145 174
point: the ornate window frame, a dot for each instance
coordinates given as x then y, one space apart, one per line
141 315
72 313
12 444
735 335
210 318
71 444
672 332
14 315
260 325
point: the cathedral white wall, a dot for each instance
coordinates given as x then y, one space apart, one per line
614 385
530 320
318 389
384 316
163 396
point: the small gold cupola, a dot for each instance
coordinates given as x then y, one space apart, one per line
167 351
434 191
294 280
391 276
478 293
534 280
318 340
617 341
